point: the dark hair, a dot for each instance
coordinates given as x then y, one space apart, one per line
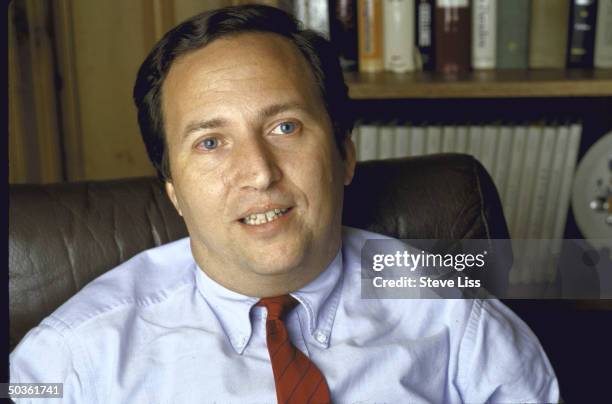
204 28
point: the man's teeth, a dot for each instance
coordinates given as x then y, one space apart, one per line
261 218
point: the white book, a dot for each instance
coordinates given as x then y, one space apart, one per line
449 134
530 158
537 206
417 141
318 17
489 140
603 35
402 140
434 140
552 198
398 35
554 186
514 177
502 160
300 11
461 145
484 33
368 141
571 153
386 135
475 142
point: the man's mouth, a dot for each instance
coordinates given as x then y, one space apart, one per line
256 219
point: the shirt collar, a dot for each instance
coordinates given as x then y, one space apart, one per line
319 300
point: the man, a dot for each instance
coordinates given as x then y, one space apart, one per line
244 116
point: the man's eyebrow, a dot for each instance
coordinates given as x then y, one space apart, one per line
265 113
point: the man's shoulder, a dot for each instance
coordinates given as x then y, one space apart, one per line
149 277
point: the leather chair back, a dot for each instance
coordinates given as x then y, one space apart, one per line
62 236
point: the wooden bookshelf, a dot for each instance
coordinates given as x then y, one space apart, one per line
482 84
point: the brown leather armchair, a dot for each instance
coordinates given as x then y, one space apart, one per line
62 236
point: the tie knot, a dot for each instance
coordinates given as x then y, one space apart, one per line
277 306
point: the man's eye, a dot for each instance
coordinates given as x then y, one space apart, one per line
209 143
285 128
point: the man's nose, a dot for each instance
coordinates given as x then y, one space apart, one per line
255 165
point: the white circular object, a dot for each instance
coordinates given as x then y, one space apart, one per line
591 190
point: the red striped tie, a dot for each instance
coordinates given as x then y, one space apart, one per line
297 379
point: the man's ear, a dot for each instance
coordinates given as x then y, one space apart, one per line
172 195
350 160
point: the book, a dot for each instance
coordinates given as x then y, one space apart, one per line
484 33
370 35
452 33
581 42
603 35
475 141
368 141
569 166
424 35
355 136
417 141
552 198
512 34
487 154
461 144
530 159
343 31
300 11
402 140
548 33
448 139
398 35
386 137
513 184
434 139
502 160
318 17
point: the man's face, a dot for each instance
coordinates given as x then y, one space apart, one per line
256 173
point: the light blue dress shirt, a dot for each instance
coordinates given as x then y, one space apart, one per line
157 330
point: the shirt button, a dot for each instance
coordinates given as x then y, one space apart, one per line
322 338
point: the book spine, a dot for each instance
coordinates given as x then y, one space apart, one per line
398 36
356 136
603 35
424 34
489 141
532 149
484 33
502 160
434 140
300 11
475 142
368 141
552 199
417 141
512 34
448 139
569 166
343 31
461 144
581 42
513 185
387 142
318 17
452 32
370 35
402 141
548 33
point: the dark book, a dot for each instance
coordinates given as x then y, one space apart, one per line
424 33
513 34
343 31
452 24
581 33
